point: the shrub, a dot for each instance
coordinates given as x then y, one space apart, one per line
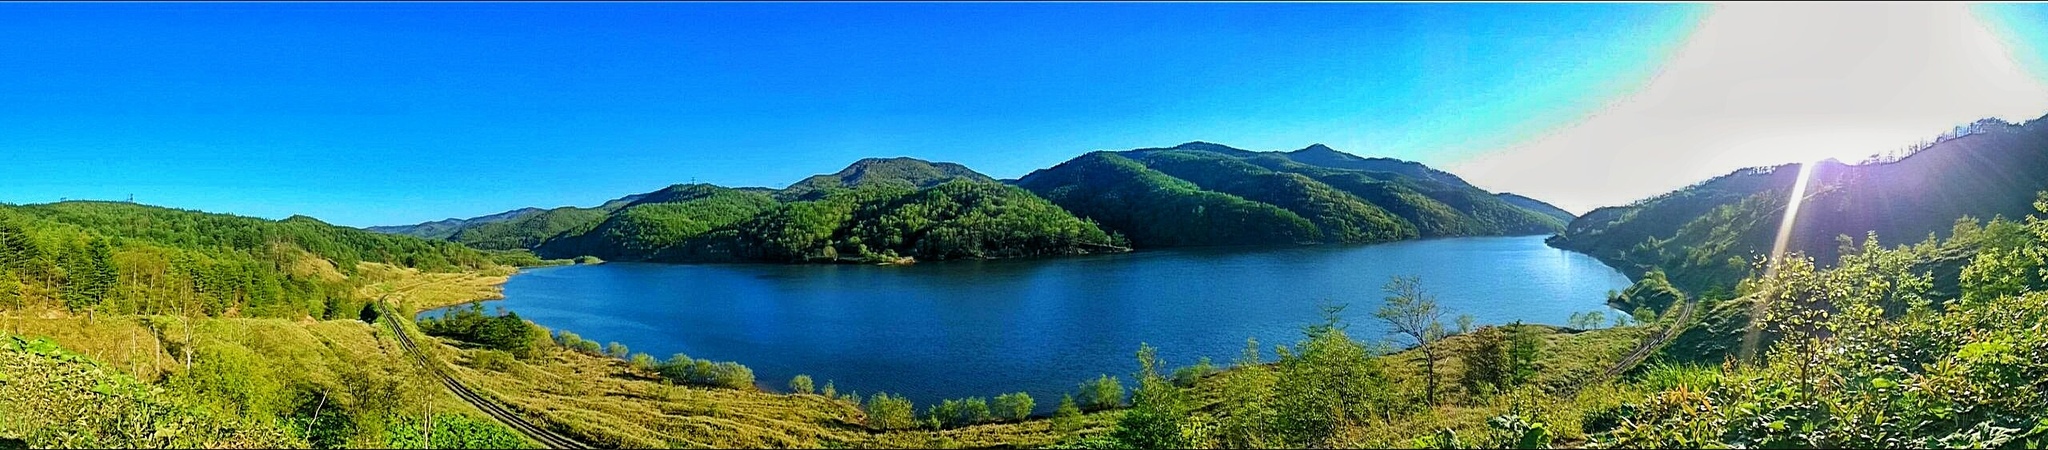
956 413
888 412
801 384
1014 406
1103 393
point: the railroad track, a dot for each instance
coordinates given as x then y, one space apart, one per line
545 437
1643 352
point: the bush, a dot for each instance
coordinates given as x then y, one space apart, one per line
888 412
1103 393
1015 406
1186 376
1067 417
492 360
957 413
616 350
681 369
801 384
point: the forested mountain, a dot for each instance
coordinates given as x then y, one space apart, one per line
884 209
1538 206
1708 235
1207 194
655 222
124 258
907 172
876 210
443 229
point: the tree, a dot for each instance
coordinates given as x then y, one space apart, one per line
1067 416
830 390
1157 408
889 412
1487 369
1103 393
1014 406
616 350
1323 383
800 384
1412 312
643 361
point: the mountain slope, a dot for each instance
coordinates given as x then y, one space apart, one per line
908 172
1151 195
655 222
1538 206
443 229
1157 210
958 219
1706 235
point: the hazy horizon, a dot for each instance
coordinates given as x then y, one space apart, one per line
393 114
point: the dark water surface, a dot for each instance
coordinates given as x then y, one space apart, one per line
982 328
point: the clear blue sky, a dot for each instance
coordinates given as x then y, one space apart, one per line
384 113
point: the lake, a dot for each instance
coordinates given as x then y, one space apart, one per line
981 328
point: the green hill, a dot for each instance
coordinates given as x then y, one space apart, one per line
959 219
1706 235
655 222
53 398
443 229
115 257
1538 206
907 172
1158 195
1157 210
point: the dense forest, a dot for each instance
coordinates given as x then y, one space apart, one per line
1192 194
1707 235
122 258
1153 194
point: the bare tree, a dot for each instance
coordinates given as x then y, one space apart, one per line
1414 314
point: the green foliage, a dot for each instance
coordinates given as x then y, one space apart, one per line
1324 383
800 384
52 398
506 332
658 223
1858 355
952 413
528 231
681 369
1013 406
451 431
903 172
1102 393
121 258
1158 408
1067 416
890 412
617 350
1694 233
1653 293
954 220
1187 376
644 361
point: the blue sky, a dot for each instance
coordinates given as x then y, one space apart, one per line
389 113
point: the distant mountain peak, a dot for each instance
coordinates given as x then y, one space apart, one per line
1318 148
899 170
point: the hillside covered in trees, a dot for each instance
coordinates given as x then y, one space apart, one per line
888 209
1708 235
1207 194
123 258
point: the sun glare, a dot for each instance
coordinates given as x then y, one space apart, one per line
1767 84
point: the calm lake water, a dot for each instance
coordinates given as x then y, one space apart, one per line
982 328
